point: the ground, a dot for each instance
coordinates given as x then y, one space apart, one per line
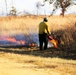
14 61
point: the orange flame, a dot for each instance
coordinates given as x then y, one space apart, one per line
22 42
14 41
32 44
11 39
55 43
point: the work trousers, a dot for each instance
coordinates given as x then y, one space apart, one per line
43 41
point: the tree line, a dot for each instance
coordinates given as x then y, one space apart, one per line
63 4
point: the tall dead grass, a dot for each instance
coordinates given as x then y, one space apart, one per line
63 26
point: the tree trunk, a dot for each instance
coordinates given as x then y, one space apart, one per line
6 6
63 11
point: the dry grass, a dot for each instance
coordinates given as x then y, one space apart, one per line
26 24
63 26
17 64
21 62
19 25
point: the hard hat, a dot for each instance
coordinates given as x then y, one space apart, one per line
45 19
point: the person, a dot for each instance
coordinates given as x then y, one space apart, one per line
44 31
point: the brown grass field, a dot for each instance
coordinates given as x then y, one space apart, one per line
31 61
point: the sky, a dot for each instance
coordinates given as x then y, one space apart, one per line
30 6
24 5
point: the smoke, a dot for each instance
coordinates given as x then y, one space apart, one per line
20 40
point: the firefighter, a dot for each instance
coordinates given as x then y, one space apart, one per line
44 31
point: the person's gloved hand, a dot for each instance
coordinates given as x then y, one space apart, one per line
50 37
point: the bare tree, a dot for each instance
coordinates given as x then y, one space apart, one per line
13 11
38 5
60 3
6 6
